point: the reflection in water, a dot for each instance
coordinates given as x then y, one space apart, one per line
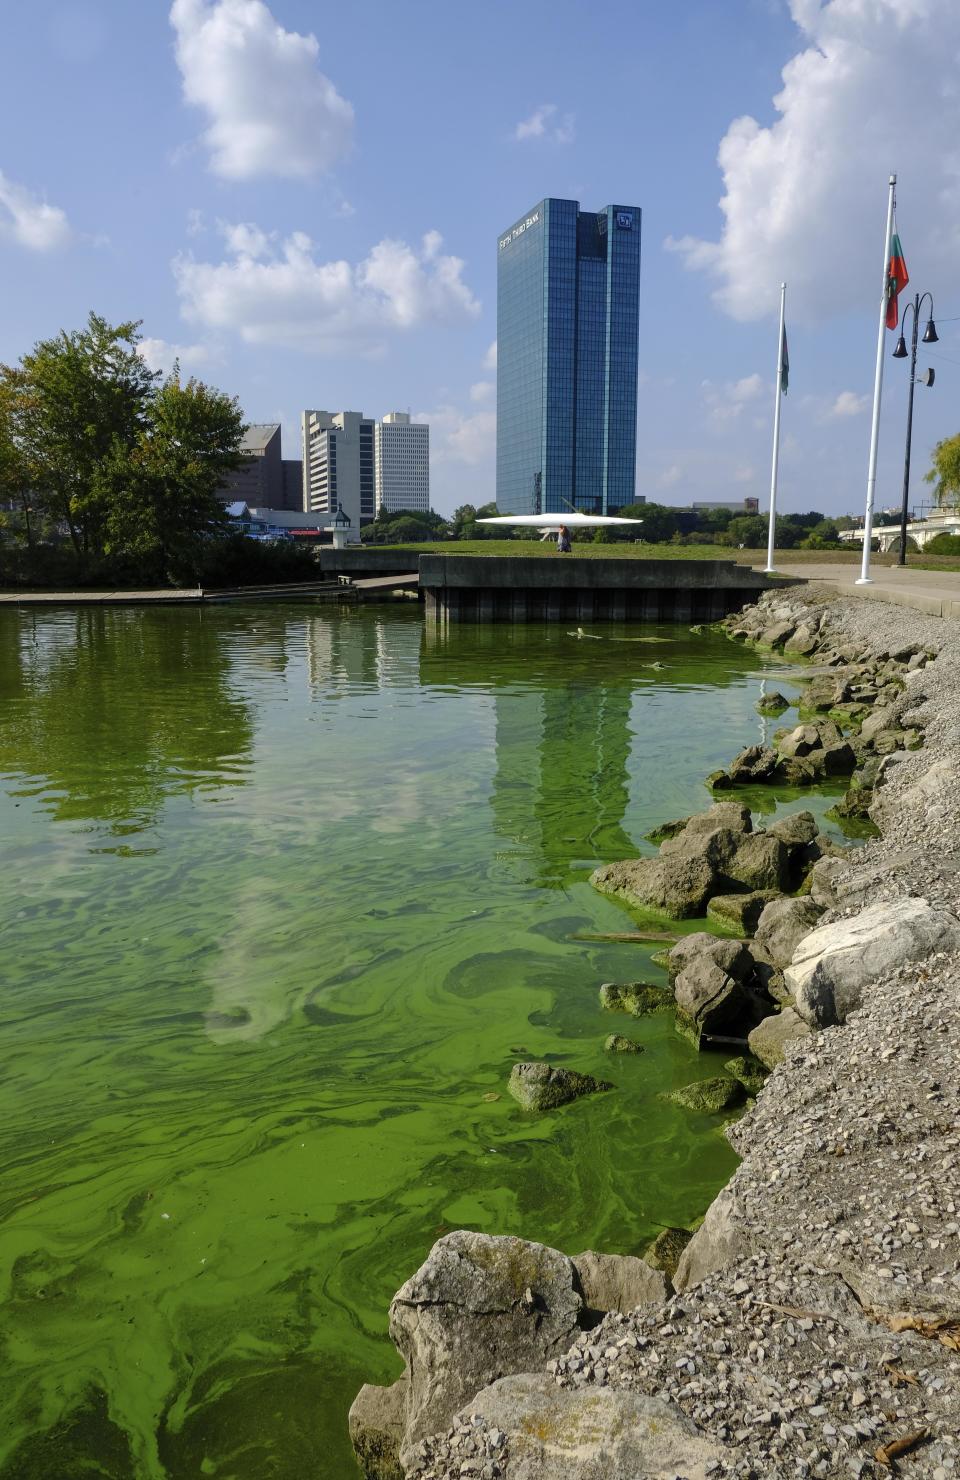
92 685
246 1065
560 790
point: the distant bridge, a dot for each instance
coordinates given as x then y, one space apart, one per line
921 531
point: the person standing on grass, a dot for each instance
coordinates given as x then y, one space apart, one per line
563 540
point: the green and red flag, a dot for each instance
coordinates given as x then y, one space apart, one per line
897 279
784 363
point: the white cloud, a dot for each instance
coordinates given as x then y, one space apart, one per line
726 402
490 358
461 437
848 403
271 110
546 122
274 291
29 221
159 354
482 390
873 89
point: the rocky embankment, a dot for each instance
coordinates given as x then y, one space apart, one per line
812 1324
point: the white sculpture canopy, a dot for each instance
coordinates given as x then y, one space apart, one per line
554 521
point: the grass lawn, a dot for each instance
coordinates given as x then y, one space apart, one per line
587 550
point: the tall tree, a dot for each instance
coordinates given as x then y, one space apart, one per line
159 496
945 472
80 396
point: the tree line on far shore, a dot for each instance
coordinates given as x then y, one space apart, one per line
666 524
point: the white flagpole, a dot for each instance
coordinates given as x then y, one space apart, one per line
776 437
864 577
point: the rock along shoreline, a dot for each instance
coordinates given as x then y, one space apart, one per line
812 1324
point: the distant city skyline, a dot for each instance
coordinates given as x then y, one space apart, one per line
306 222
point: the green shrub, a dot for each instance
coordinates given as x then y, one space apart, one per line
942 544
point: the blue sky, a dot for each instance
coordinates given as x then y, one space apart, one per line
304 201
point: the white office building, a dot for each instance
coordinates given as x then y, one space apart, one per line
402 461
338 464
363 466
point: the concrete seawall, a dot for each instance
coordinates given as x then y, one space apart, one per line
471 588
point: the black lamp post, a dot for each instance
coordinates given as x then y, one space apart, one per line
930 336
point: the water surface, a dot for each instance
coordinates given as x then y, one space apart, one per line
284 892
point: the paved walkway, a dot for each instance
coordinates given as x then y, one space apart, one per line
933 591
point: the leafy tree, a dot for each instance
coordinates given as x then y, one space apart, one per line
659 522
410 528
78 397
945 472
746 529
159 496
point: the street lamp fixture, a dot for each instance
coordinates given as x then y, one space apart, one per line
930 336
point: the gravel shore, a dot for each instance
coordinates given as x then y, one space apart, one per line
823 1338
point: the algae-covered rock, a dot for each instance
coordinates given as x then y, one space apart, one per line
769 1039
616 1043
637 998
740 911
796 830
538 1086
749 1072
377 1421
709 1096
772 704
760 862
678 885
667 1249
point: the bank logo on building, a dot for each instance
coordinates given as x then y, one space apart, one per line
625 220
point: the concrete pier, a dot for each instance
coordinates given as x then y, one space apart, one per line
479 588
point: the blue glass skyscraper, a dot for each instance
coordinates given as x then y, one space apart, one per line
568 286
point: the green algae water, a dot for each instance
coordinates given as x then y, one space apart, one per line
284 892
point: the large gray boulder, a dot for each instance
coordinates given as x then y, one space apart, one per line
834 966
884 718
582 1433
678 885
687 948
761 861
539 1086
801 741
722 816
720 1241
377 1421
796 830
804 640
479 1308
739 912
783 924
712 991
619 1282
768 1040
